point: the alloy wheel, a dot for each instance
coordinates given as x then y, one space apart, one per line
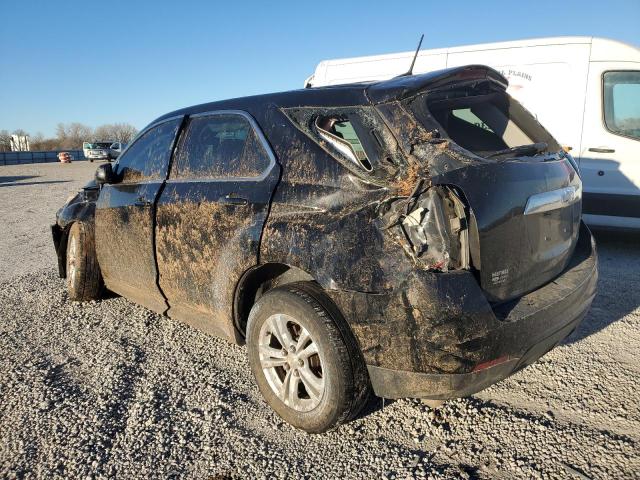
291 362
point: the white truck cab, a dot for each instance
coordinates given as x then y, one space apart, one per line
584 90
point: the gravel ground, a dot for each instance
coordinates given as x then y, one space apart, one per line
108 388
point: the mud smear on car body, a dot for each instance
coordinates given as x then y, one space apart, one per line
126 260
203 247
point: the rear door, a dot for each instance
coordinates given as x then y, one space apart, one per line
610 153
210 216
124 219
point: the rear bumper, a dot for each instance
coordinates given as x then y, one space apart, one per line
389 383
439 338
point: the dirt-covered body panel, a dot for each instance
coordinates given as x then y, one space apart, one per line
205 245
447 241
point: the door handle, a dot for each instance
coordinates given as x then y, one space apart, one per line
142 202
602 150
231 199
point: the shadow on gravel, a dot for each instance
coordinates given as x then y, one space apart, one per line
373 405
22 184
16 178
618 283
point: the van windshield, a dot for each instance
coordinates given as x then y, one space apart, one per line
489 125
92 146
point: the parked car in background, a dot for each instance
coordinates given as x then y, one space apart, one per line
585 90
115 149
419 236
97 150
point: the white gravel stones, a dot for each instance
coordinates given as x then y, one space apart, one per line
109 389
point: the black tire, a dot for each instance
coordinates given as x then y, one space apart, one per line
339 362
84 280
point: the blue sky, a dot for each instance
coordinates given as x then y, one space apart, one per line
105 62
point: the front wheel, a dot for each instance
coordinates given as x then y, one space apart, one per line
84 281
304 358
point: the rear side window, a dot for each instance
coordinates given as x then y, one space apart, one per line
340 133
355 136
622 103
148 156
220 146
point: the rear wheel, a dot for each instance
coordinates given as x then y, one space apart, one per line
84 280
305 359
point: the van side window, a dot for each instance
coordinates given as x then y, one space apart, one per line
148 157
622 103
220 146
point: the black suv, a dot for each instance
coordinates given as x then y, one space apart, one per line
420 237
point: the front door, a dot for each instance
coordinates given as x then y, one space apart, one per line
210 217
610 151
125 217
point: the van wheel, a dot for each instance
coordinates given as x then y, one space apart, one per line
84 280
305 359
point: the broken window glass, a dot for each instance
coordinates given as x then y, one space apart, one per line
356 137
343 137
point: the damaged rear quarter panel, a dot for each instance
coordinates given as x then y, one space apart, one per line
327 221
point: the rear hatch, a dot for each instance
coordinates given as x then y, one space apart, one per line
522 190
527 215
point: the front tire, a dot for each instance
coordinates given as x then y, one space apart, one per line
304 358
84 280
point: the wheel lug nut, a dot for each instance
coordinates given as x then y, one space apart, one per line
296 373
300 362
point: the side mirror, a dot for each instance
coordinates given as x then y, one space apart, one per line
104 174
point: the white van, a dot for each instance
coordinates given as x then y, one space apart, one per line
584 90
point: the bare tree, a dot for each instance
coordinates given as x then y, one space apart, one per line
37 142
5 141
116 132
124 132
70 136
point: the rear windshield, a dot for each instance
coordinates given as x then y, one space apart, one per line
489 124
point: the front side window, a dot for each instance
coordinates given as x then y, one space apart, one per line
220 146
148 157
622 103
